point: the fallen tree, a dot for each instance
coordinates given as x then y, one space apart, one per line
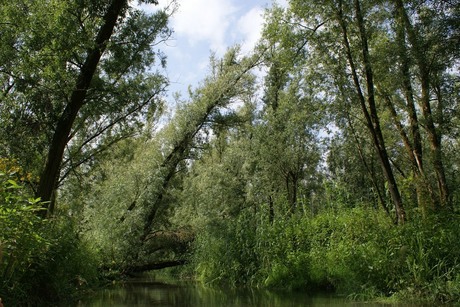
154 266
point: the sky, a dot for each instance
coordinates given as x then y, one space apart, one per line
205 26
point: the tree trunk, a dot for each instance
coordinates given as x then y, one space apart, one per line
422 186
379 142
271 210
416 150
371 173
433 137
416 155
177 154
50 175
293 192
372 119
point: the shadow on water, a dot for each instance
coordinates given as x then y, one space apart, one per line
143 292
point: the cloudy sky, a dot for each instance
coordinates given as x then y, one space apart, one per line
205 26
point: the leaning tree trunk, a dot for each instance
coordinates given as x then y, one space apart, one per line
370 172
370 112
218 98
50 174
423 188
379 142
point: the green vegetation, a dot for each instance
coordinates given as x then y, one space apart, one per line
357 252
336 170
40 260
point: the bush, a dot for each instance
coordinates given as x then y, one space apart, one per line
41 260
357 252
224 253
66 270
21 238
429 259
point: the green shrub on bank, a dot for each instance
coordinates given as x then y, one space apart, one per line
41 261
66 270
229 247
22 241
357 251
429 259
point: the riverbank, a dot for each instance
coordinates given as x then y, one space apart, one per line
357 252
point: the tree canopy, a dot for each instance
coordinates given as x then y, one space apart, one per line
325 158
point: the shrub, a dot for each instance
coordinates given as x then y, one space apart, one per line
21 238
357 252
42 260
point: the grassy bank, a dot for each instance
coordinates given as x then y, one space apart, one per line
356 252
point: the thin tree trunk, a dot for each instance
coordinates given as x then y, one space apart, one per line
433 137
154 266
422 185
371 115
271 210
295 183
179 151
409 95
366 166
415 149
50 175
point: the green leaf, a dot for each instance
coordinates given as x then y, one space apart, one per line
13 184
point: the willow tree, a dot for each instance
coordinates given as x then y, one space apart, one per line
384 61
77 77
436 17
229 77
136 193
368 101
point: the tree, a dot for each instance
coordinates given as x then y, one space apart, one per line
370 110
136 194
98 87
420 46
352 44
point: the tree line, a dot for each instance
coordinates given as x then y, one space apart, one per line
354 120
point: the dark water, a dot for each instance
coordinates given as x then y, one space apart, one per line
155 293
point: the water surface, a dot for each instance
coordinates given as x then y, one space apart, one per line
145 292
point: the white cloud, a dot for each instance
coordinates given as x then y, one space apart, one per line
283 3
204 21
250 26
201 26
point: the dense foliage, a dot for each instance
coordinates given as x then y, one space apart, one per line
41 261
336 168
357 252
350 139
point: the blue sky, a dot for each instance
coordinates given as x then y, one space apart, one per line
205 26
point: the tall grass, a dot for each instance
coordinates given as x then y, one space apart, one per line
357 252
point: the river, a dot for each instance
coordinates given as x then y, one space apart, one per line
149 292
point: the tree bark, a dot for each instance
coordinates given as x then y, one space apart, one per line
370 112
379 142
422 185
371 173
271 210
50 174
433 137
416 148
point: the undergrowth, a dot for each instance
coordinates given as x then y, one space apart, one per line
357 252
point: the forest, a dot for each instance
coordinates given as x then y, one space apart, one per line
324 160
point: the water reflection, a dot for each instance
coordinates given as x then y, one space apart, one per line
155 293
